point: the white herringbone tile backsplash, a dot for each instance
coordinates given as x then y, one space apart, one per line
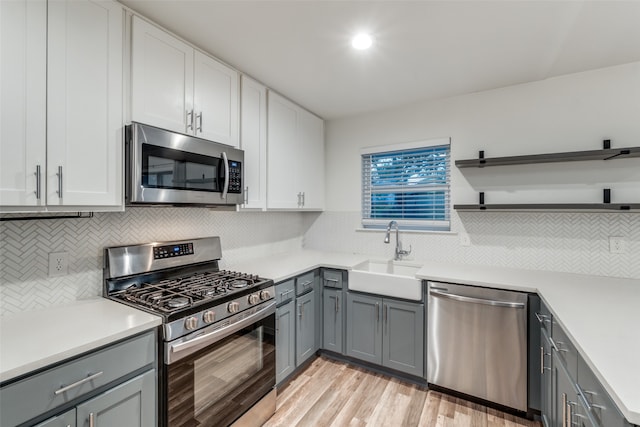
568 242
25 245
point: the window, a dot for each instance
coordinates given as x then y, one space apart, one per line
409 185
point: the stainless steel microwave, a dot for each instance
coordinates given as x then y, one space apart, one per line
170 168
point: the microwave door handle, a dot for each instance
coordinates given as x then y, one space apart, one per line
225 188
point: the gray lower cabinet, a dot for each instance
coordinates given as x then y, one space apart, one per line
386 332
403 336
130 404
115 384
285 340
571 395
68 419
364 329
305 326
332 327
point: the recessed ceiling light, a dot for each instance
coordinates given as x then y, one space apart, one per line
361 41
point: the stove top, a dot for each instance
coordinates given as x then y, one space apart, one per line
167 296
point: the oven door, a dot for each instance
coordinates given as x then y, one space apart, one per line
216 376
165 167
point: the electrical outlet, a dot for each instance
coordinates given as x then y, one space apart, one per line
465 240
58 264
617 245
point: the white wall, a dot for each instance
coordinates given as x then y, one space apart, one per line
568 113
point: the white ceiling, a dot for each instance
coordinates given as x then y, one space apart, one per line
422 49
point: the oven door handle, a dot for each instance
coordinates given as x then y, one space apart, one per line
180 350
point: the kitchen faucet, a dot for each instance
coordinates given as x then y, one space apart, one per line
399 252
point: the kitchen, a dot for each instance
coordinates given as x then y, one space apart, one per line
568 104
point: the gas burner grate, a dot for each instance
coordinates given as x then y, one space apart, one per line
171 295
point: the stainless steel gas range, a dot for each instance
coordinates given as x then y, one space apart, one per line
217 351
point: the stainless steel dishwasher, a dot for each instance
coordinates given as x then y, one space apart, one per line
477 342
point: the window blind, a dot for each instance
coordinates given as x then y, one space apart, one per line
409 186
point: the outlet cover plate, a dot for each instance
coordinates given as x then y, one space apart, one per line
58 264
617 245
465 240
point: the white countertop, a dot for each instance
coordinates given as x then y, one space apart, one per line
34 339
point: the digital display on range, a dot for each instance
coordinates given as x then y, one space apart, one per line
171 251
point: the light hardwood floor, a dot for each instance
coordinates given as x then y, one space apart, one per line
332 393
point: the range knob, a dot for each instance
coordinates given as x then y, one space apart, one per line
190 323
209 316
264 295
233 307
253 299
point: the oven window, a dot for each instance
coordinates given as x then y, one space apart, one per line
217 384
174 169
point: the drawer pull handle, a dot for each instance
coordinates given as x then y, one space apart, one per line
305 284
331 280
77 383
542 318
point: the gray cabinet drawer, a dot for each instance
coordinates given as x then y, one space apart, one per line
35 395
68 419
567 353
304 282
285 291
599 404
332 278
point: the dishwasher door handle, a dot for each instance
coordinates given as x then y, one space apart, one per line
472 300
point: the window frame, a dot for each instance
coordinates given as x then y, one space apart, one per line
369 223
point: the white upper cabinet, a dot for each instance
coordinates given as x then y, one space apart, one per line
215 101
161 79
295 157
61 105
23 80
175 87
253 140
311 175
84 103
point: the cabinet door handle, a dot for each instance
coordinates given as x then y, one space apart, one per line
199 122
377 312
92 420
542 355
77 383
59 174
564 409
303 194
337 303
190 120
277 323
246 195
299 199
37 174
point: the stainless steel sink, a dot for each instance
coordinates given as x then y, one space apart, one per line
387 277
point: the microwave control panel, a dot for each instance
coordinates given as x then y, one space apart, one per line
235 177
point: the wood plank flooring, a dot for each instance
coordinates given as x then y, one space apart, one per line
332 393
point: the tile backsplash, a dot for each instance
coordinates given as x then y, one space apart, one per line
567 242
25 245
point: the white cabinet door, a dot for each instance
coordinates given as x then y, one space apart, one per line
215 101
23 79
84 103
311 161
253 140
283 186
161 79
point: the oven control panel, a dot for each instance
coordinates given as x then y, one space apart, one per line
235 177
170 251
